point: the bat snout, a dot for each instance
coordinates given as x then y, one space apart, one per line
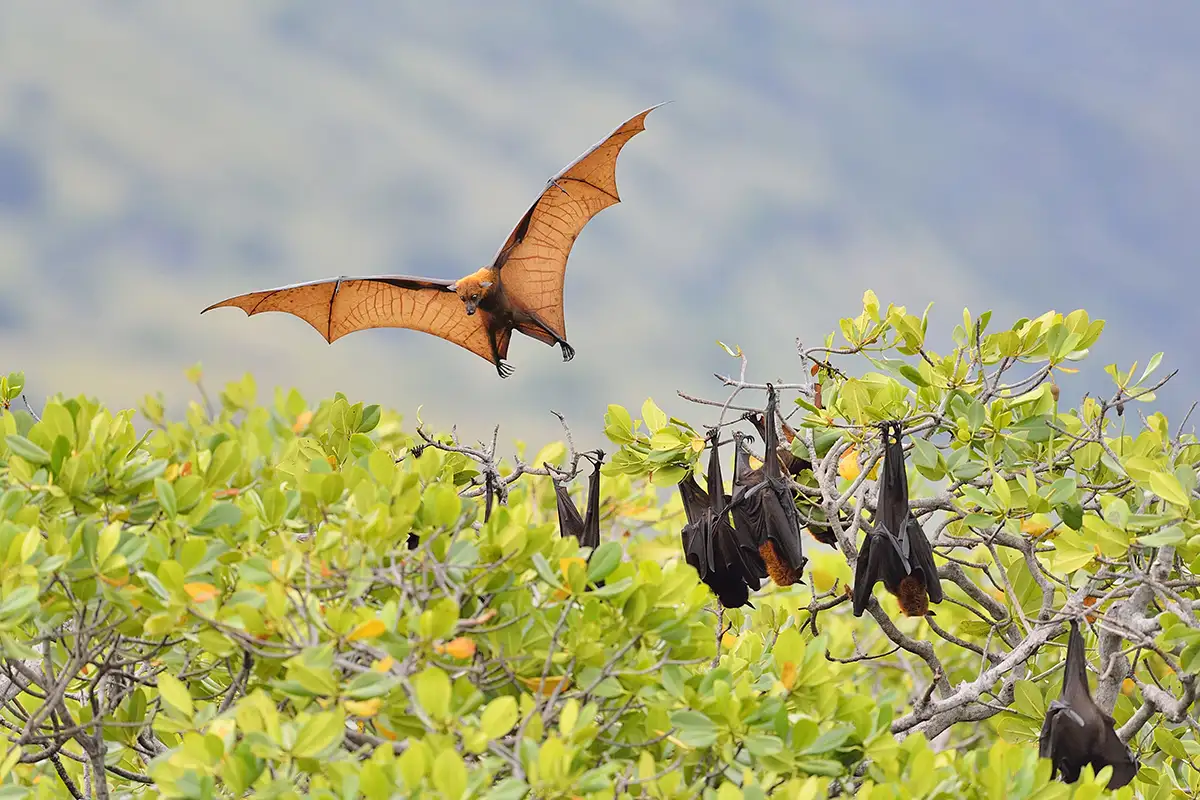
470 309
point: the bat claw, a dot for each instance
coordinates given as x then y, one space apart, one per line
504 368
568 352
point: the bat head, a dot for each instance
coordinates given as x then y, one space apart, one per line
472 291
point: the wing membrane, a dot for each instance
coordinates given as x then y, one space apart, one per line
340 306
534 257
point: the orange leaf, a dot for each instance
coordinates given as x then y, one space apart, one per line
462 647
370 629
386 732
561 594
788 675
547 686
231 492
1128 687
302 420
332 461
186 469
848 464
200 592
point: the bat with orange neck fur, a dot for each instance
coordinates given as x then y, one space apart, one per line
521 290
764 506
896 550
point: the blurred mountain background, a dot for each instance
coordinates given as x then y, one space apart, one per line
158 157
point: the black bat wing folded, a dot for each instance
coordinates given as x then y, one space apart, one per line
1077 732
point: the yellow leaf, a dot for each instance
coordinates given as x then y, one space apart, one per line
547 686
370 629
697 445
200 592
564 564
302 420
1035 525
462 647
172 472
364 708
848 464
1128 687
384 664
788 675
823 579
729 641
755 462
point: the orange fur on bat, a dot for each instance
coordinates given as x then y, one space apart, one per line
913 600
474 284
777 568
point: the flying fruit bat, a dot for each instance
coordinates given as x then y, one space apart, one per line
1077 732
586 528
793 465
895 549
764 507
724 557
521 290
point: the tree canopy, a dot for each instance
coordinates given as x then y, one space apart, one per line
303 599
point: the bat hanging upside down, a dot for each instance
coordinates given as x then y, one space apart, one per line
896 550
521 290
1076 732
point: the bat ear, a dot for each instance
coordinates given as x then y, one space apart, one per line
453 287
485 284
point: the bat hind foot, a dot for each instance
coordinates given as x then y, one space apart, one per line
504 368
567 351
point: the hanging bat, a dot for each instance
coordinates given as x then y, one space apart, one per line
794 465
586 528
791 463
521 290
895 549
1077 732
718 552
764 507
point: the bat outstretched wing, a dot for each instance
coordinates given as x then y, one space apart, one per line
533 260
338 306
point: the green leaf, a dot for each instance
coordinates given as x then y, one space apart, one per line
166 497
27 450
220 514
1169 744
321 733
603 561
653 416
433 692
694 728
913 375
1169 535
1167 486
175 695
499 717
450 774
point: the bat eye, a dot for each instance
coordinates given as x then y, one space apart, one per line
474 297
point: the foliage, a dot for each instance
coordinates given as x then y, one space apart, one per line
227 605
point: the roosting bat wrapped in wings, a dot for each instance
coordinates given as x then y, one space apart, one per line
522 289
